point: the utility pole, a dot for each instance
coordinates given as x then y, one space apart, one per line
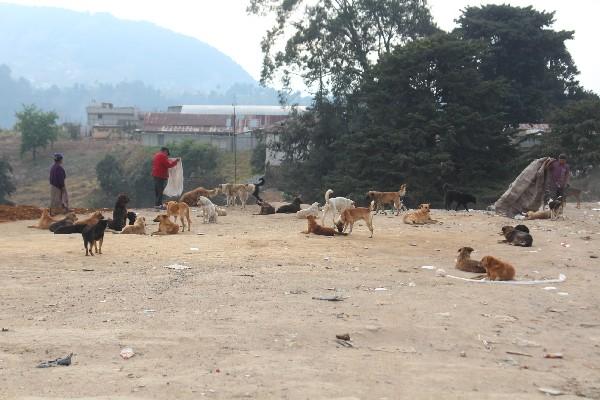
234 148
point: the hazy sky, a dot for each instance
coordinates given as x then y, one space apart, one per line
225 25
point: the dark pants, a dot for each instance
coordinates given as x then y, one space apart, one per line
159 187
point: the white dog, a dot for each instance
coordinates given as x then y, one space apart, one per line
312 210
209 210
335 205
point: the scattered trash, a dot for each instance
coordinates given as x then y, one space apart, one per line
440 272
380 289
127 353
329 298
65 361
488 346
519 217
200 234
550 391
553 355
444 314
177 266
561 278
344 343
413 244
428 267
562 293
248 275
518 353
343 336
412 284
550 288
149 311
563 244
526 343
4 329
194 249
87 270
326 258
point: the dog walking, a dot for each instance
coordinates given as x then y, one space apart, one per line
59 199
160 173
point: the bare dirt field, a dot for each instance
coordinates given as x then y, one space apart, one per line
241 322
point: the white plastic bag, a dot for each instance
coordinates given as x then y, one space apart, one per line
175 183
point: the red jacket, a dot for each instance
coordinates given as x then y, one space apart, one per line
161 165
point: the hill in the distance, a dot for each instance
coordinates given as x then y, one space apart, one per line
52 46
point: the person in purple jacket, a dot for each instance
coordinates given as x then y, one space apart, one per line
559 175
59 199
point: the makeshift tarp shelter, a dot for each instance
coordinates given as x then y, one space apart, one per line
526 193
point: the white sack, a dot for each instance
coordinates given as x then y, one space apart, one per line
175 183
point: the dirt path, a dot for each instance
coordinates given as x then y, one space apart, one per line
241 322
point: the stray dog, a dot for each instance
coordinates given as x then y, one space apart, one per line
383 198
256 192
131 217
573 192
91 220
538 215
221 211
69 229
497 270
465 263
420 216
317 229
265 208
165 226
461 198
209 211
191 198
93 235
234 190
45 220
335 205
312 210
180 210
138 228
294 207
68 220
556 207
119 219
522 228
517 237
351 215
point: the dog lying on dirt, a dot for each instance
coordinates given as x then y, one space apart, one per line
93 235
497 270
191 198
45 220
181 210
265 208
419 217
538 215
383 198
165 226
465 263
517 237
138 228
209 210
351 215
292 208
312 210
68 220
461 198
315 228
335 205
221 211
91 220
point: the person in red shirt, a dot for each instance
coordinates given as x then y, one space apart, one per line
160 173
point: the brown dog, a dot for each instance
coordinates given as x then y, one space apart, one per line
165 226
420 216
180 210
91 220
351 215
573 192
497 270
383 198
138 227
265 208
538 214
317 229
45 220
465 263
191 198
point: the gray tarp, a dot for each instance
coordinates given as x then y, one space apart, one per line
526 193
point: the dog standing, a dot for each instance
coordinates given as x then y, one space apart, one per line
191 198
93 235
383 198
180 210
138 228
461 198
335 205
165 226
312 210
497 270
465 263
351 215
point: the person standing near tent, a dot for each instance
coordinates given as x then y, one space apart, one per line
59 199
160 173
559 176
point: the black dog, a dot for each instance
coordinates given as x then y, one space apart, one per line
120 213
451 196
94 236
261 182
68 229
292 208
517 237
522 228
59 224
131 217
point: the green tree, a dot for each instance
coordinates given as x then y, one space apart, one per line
7 181
258 158
110 176
523 49
37 128
332 44
198 159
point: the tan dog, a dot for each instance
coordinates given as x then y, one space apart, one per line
45 220
465 263
420 216
191 198
383 198
547 214
138 227
165 226
351 215
497 270
180 210
221 211
91 220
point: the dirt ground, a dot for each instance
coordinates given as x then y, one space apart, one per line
241 322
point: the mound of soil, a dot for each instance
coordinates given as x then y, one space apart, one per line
18 213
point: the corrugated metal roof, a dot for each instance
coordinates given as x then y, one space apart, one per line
177 119
239 110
